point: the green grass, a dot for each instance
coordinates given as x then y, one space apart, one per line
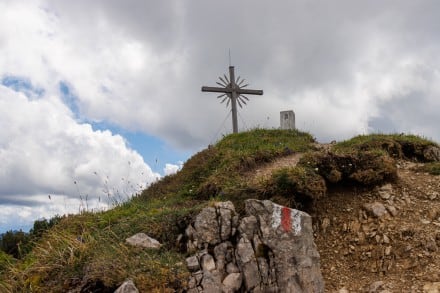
396 145
91 247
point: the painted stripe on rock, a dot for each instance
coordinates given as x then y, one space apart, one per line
288 219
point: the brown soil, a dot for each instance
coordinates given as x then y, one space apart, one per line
396 252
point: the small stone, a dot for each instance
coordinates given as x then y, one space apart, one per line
199 276
376 209
431 287
189 232
143 240
386 239
211 283
387 250
392 210
232 282
343 290
385 191
192 263
192 283
208 263
376 286
433 195
127 287
325 224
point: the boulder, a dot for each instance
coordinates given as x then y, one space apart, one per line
143 240
271 249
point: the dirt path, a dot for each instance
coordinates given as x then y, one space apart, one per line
264 171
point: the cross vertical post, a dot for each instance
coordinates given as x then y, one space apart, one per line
232 90
233 100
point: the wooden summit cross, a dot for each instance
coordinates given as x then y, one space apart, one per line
233 90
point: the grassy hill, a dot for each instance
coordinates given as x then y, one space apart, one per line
88 251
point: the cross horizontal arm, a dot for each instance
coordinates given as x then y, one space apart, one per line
230 90
216 89
249 92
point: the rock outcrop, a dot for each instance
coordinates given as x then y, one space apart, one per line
271 249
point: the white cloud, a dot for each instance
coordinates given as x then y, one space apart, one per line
44 151
171 168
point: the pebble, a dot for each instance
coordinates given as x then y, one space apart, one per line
376 209
374 287
431 287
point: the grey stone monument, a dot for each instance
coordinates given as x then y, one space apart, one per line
287 119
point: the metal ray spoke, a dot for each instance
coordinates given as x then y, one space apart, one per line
221 96
242 100
227 79
239 103
224 100
226 83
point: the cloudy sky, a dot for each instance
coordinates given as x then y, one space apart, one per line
99 98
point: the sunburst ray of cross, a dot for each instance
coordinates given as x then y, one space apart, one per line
233 91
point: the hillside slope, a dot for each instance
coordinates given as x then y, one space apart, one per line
334 183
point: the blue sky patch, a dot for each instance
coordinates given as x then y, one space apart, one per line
156 152
69 98
22 85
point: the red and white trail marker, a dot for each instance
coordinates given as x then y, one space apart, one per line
289 219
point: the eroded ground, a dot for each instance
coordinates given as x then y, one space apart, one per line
398 251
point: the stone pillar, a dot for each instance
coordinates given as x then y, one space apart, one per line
287 119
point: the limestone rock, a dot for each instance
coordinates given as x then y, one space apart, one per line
376 286
375 209
192 263
208 263
207 227
127 287
288 235
215 224
392 210
432 153
385 191
143 240
210 283
232 282
247 263
272 251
